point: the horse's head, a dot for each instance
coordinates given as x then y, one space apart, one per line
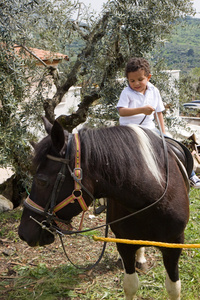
53 183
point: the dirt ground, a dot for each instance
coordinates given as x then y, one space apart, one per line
80 249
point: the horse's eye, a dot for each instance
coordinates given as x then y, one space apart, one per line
41 181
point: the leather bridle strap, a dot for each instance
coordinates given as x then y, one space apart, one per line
51 207
77 175
30 204
77 169
56 189
70 199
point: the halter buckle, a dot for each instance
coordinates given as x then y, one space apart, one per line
77 191
78 176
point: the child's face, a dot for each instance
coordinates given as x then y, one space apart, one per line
138 80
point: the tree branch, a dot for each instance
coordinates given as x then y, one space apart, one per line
34 55
97 33
52 70
80 116
77 28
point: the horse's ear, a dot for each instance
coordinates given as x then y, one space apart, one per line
57 136
47 125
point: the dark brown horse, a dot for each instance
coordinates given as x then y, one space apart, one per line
129 167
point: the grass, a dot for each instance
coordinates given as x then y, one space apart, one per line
105 281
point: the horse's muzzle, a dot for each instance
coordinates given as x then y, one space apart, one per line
40 237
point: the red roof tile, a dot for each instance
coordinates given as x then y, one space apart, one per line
48 57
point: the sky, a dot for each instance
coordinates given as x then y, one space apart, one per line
97 5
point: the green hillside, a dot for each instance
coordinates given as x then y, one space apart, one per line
183 50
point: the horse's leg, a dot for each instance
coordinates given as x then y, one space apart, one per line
131 282
172 282
141 262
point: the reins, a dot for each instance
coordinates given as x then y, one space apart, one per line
98 260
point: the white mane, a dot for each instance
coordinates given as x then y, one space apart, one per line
148 153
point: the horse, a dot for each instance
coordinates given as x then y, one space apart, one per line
128 166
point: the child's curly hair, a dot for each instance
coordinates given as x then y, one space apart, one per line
137 63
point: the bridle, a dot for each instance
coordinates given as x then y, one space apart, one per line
51 207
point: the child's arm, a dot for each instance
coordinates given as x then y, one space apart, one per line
161 120
128 111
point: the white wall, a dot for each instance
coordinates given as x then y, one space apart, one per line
69 103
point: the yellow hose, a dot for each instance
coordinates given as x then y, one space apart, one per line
145 243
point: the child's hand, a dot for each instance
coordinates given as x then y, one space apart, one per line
148 109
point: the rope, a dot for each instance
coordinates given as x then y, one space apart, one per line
145 243
90 266
98 260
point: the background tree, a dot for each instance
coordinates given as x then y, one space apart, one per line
98 47
189 90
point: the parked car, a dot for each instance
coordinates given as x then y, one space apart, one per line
195 104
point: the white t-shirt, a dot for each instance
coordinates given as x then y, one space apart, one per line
133 99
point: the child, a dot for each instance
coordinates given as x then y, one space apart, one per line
139 101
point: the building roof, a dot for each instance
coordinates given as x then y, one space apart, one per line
48 57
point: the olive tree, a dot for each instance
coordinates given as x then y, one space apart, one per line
98 46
